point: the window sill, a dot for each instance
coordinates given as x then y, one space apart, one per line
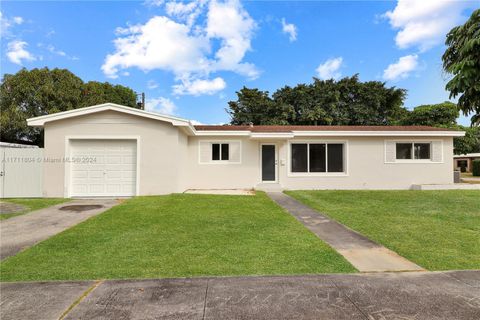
316 174
415 161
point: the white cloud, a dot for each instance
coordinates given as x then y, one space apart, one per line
198 87
161 43
161 105
178 44
230 23
402 68
330 69
424 23
152 84
17 20
16 52
7 23
53 50
290 29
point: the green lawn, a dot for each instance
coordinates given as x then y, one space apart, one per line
31 205
178 236
438 230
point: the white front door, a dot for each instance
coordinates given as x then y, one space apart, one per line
103 168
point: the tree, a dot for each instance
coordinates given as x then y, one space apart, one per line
38 92
323 102
94 92
462 60
470 143
256 106
436 115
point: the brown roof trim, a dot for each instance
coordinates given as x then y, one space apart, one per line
289 128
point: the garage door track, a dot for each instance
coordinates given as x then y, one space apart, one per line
24 231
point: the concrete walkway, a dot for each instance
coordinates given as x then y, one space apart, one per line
361 252
409 295
24 231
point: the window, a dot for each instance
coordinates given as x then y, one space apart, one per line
299 157
412 151
317 157
220 151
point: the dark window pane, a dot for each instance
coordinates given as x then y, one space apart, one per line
225 151
422 150
317 158
335 157
215 151
404 151
299 157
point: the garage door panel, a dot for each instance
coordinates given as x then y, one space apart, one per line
103 167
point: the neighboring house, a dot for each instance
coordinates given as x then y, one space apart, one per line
465 161
112 150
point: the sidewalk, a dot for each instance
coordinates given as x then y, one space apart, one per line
408 295
361 252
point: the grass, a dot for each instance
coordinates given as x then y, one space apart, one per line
438 230
31 205
179 235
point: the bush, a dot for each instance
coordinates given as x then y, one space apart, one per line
476 168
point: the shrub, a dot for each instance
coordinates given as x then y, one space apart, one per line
476 168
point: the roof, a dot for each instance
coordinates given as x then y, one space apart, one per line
468 155
288 128
39 121
253 132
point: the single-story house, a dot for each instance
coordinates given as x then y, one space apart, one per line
113 150
465 161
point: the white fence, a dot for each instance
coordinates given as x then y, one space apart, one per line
21 172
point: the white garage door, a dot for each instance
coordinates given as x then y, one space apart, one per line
103 168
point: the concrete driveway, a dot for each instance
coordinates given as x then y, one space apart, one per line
409 295
24 231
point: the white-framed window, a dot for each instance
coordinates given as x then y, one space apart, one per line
413 150
219 151
317 158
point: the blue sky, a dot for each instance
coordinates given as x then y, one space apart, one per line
190 57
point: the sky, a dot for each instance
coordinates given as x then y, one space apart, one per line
190 57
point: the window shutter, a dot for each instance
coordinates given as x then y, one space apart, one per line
437 151
205 152
235 151
390 151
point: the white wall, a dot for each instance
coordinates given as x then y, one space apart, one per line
169 159
367 168
245 174
158 147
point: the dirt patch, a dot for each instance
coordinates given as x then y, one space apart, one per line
8 207
81 207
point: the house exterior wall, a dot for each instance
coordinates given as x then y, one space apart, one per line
159 146
169 159
243 175
367 168
365 163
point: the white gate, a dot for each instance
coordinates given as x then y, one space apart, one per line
21 172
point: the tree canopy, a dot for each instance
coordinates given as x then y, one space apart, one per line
38 92
443 114
324 102
462 60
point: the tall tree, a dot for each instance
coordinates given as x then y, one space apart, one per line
38 92
443 114
462 60
470 143
323 102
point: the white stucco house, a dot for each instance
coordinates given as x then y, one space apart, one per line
113 150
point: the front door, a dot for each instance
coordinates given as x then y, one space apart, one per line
269 163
